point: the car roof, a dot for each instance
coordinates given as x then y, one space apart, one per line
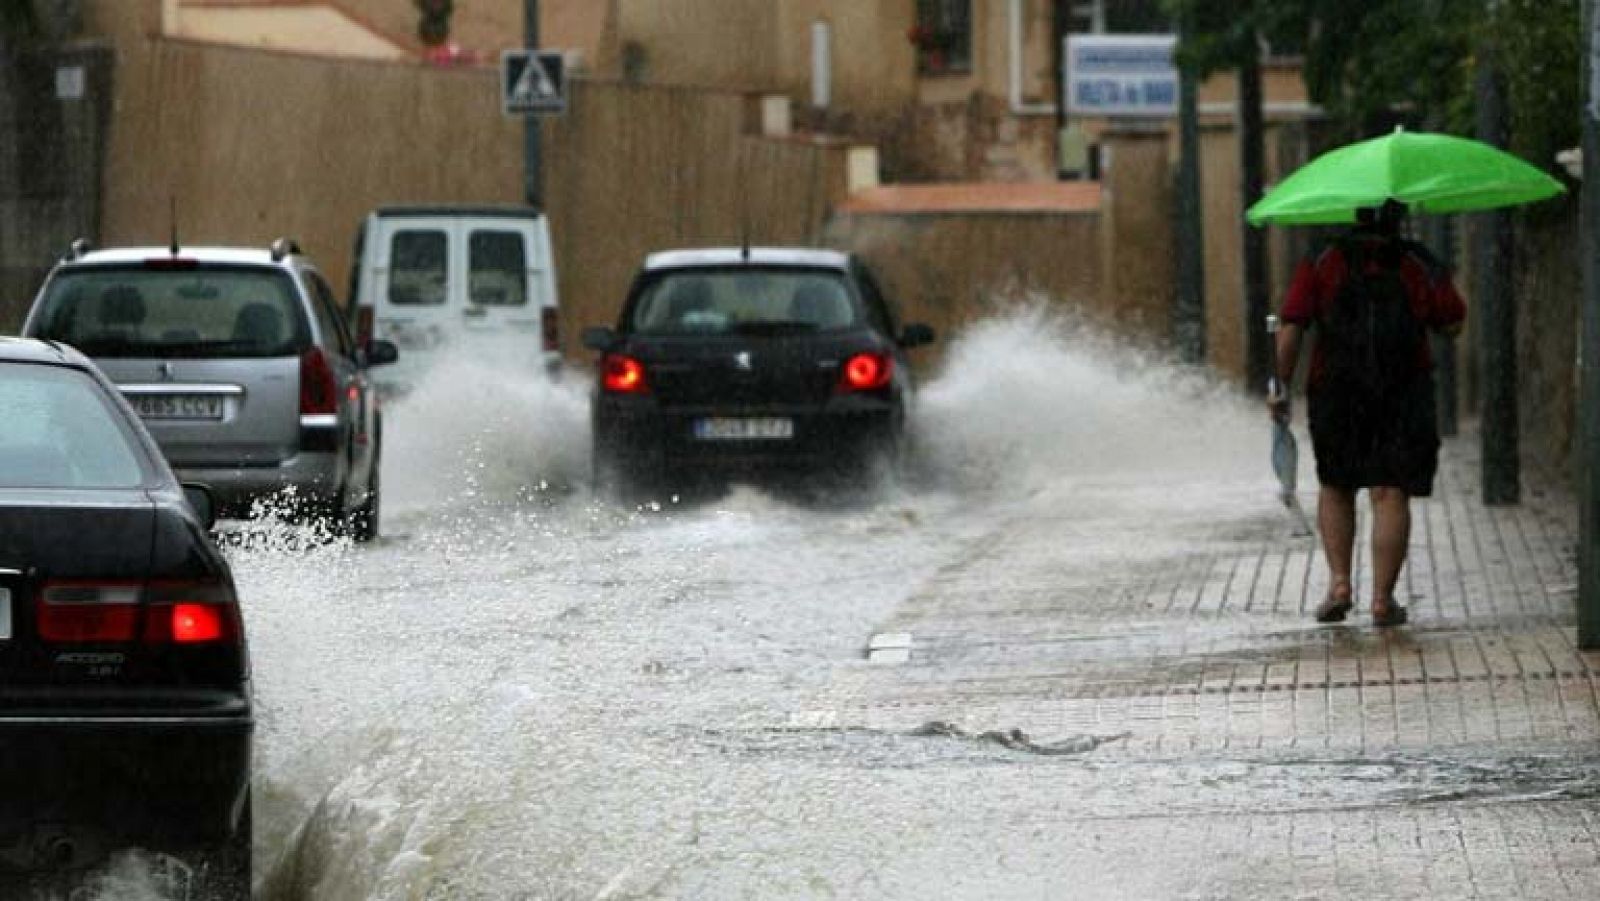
230 255
484 210
30 350
709 257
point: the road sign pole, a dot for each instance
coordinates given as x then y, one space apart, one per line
1252 156
532 178
1191 314
1589 373
1492 259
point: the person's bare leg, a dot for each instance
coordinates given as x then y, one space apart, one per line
1391 534
1336 519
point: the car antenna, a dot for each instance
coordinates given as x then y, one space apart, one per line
172 211
744 209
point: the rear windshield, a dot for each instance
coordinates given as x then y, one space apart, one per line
202 312
62 432
744 301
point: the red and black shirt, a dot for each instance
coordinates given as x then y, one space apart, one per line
1318 279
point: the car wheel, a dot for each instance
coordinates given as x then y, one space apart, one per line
362 522
621 480
222 872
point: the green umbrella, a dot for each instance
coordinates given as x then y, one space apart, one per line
1429 173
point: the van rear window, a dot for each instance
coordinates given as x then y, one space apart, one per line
498 264
418 268
201 312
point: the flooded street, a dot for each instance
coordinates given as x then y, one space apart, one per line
522 692
525 693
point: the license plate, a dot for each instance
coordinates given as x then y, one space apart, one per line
177 406
747 429
5 614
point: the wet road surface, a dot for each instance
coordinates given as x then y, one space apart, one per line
1095 677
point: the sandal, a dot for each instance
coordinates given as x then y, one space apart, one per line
1336 605
1392 614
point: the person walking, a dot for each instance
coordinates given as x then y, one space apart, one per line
1370 297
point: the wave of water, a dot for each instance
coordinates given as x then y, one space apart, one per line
493 701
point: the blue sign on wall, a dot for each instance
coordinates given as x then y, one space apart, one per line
1121 75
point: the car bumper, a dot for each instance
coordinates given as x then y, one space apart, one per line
314 477
93 783
841 435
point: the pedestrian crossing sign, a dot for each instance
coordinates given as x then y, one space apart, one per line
533 82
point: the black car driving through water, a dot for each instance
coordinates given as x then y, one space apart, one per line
743 361
125 708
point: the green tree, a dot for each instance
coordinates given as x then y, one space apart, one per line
1372 63
1363 62
17 18
1540 46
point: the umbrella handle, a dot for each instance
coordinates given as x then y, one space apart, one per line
1275 390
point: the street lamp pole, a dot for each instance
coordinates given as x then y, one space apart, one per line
1589 372
532 180
1496 322
1190 319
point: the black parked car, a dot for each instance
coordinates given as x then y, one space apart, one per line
125 710
749 360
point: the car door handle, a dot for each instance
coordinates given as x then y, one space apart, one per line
476 312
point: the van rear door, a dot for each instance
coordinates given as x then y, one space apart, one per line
411 282
507 288
485 281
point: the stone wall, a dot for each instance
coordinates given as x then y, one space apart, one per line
54 102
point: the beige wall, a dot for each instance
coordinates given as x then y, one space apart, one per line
950 269
873 62
725 43
1137 234
253 145
637 169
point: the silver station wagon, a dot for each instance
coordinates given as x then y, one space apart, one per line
240 365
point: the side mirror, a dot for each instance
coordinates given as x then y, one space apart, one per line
916 335
379 353
202 502
598 338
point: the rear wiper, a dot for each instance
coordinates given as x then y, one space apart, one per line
101 346
773 327
198 347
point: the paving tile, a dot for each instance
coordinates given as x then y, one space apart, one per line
1202 655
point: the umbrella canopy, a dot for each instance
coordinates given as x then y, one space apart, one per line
1429 173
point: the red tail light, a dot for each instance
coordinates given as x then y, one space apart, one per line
621 374
81 612
550 328
364 326
866 372
75 612
191 613
318 393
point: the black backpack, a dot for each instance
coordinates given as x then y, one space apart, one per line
1369 334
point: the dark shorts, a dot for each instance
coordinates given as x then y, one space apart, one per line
1390 441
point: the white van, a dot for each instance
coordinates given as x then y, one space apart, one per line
456 283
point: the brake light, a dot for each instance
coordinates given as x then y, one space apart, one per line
82 612
364 326
866 372
76 612
318 393
195 622
550 329
171 264
621 374
191 613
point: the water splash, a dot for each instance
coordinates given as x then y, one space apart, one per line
1035 396
473 431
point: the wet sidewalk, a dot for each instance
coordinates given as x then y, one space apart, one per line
1252 751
